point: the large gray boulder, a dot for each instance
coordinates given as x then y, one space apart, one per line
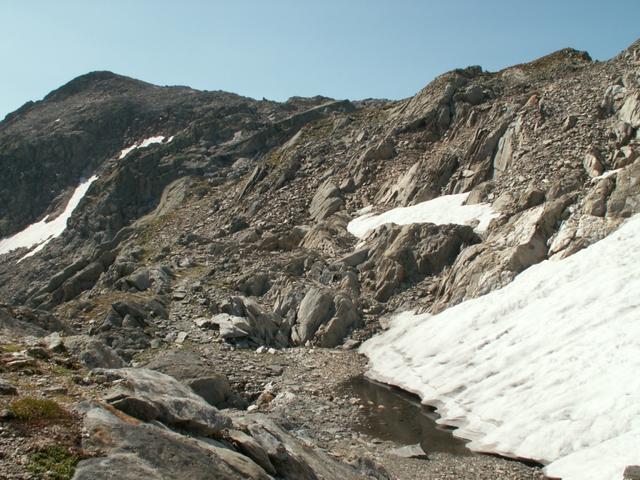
92 352
198 374
131 450
149 395
315 309
247 319
324 318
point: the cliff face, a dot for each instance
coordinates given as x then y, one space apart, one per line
238 217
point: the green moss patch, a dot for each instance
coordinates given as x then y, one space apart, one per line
54 463
29 408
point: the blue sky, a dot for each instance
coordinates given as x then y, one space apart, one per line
279 48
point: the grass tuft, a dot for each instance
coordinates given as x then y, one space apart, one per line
54 463
29 408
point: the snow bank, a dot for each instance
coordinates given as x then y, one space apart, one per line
441 210
545 368
143 144
41 233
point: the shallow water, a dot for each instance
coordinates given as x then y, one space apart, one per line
393 415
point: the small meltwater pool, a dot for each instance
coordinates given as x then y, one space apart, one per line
392 414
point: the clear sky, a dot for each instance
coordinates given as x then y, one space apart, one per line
279 48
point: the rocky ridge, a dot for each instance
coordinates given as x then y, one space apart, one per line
222 260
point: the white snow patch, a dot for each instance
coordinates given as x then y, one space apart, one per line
545 368
364 210
40 233
143 144
607 174
442 210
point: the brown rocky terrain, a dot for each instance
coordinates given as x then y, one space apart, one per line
200 312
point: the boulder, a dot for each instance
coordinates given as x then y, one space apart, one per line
246 319
199 375
231 326
254 448
130 450
409 451
327 201
625 198
150 395
324 318
93 353
345 318
592 164
315 309
293 459
630 111
595 202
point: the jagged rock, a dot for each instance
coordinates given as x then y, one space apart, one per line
231 326
625 198
480 194
531 197
329 236
504 203
506 147
630 111
579 232
348 185
55 343
315 309
247 319
569 122
292 459
593 164
355 258
144 278
401 255
255 285
199 375
326 201
595 202
131 308
473 94
140 279
93 353
565 184
344 319
149 395
131 450
247 445
324 318
401 190
489 265
286 241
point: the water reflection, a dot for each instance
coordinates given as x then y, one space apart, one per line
392 414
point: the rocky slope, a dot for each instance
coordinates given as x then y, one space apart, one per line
232 236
